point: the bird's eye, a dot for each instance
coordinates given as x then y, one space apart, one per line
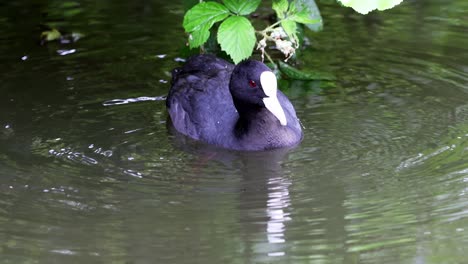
253 84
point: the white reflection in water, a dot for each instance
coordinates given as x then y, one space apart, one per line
133 100
63 52
63 251
133 173
70 154
278 202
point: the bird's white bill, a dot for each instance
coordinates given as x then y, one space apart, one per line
269 85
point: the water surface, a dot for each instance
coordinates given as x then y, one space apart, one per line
91 174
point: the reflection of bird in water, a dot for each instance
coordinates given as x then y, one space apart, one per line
263 190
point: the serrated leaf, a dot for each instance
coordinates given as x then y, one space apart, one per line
365 6
202 14
292 7
242 7
313 13
280 7
236 36
290 27
199 36
303 18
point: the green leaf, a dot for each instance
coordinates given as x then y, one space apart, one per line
290 27
313 13
303 17
203 14
296 74
280 7
51 35
292 7
365 6
242 7
200 36
236 36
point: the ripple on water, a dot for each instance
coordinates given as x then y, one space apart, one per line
133 100
381 176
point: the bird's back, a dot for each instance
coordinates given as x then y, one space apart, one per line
199 101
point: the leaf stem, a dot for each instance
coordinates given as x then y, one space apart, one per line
271 27
269 58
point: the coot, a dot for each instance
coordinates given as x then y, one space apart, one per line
234 107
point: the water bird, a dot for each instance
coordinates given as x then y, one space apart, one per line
235 107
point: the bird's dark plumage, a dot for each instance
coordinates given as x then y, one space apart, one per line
231 106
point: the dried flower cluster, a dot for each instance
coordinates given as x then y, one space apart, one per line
278 35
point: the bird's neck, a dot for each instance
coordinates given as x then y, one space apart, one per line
257 121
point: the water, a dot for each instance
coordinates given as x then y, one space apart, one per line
91 174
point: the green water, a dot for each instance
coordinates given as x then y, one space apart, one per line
381 176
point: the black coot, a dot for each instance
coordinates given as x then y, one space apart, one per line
235 107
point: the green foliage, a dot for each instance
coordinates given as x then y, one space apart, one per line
280 7
310 7
302 17
51 35
199 19
234 31
200 36
283 9
236 35
298 11
290 27
365 6
242 7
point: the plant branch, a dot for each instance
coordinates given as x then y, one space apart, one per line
269 58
